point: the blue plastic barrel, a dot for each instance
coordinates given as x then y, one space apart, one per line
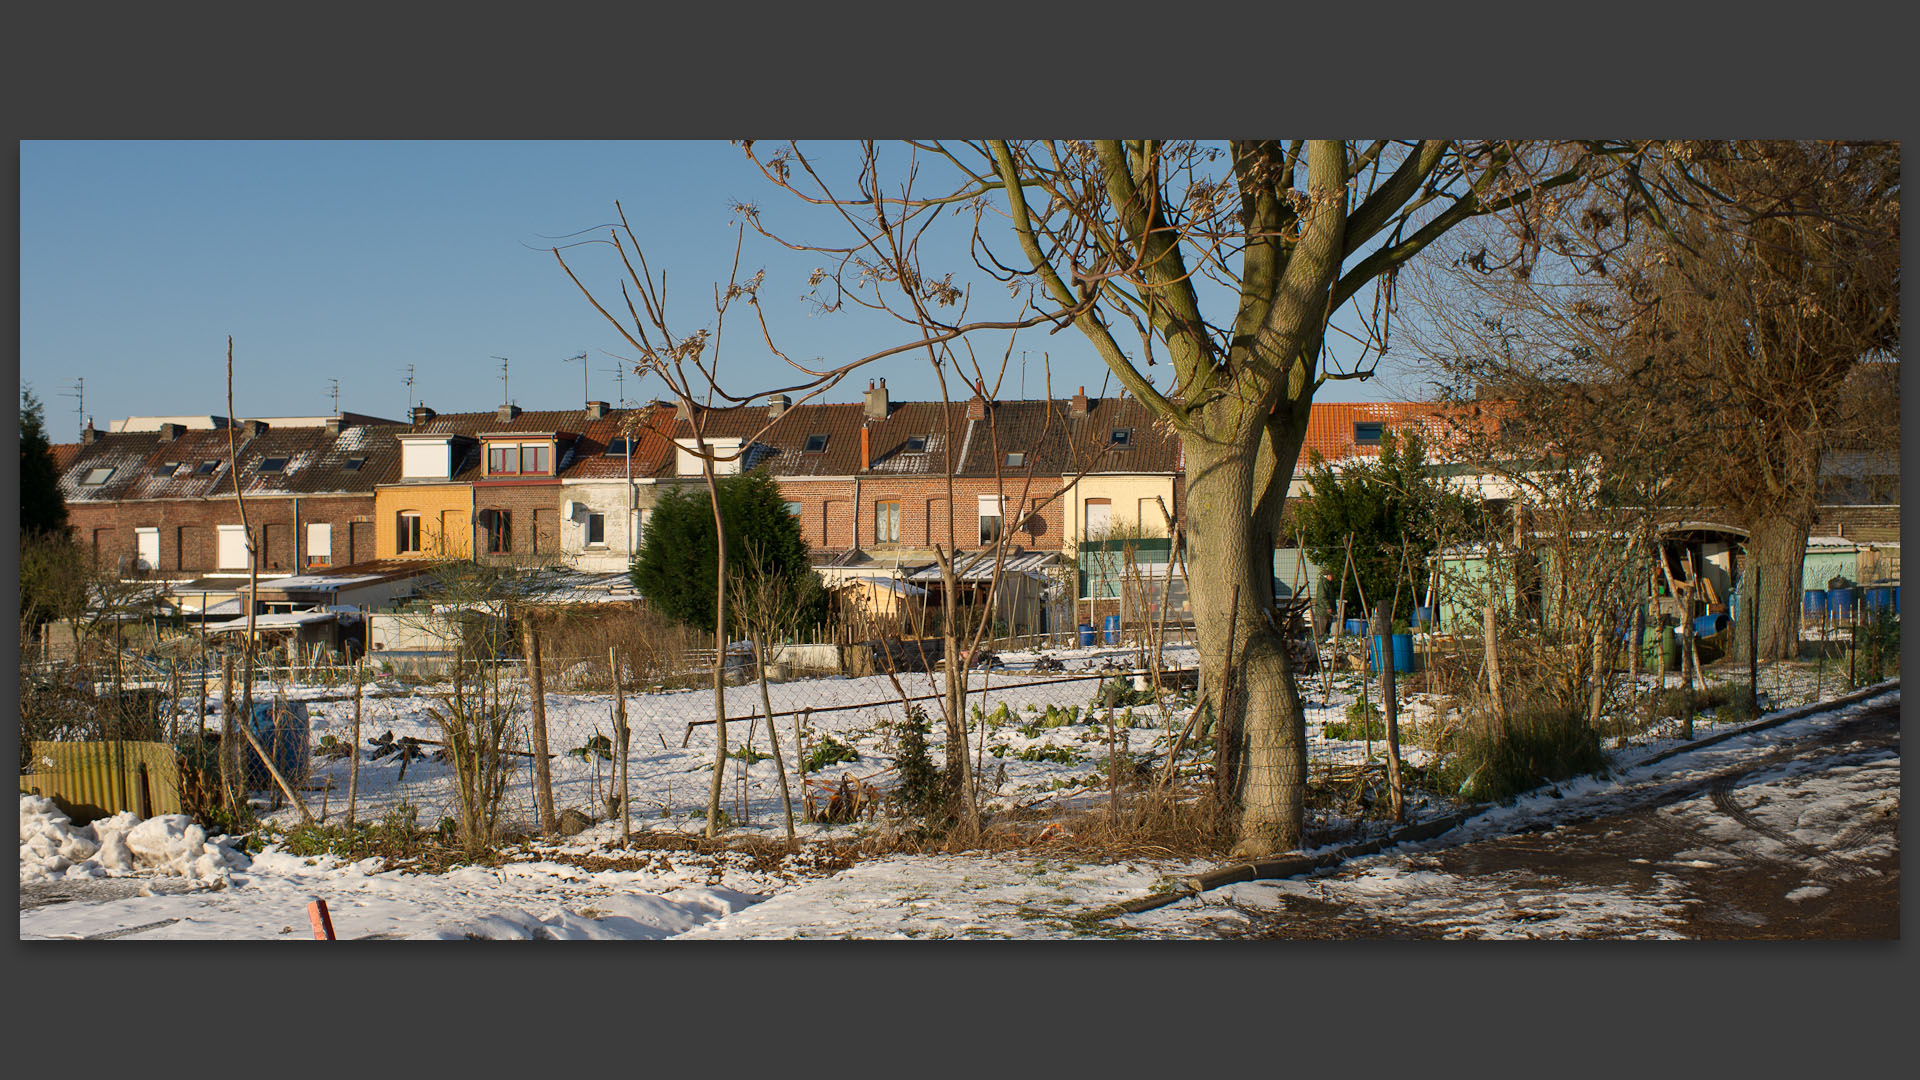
283 730
1840 602
1402 652
1356 627
1113 629
1879 598
1710 624
1896 599
1816 602
1086 635
1425 616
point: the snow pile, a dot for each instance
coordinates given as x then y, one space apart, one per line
170 845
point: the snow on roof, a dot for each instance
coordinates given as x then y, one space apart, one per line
318 581
1830 541
276 621
898 588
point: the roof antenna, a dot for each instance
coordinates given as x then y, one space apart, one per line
584 392
80 406
504 399
619 373
336 397
409 389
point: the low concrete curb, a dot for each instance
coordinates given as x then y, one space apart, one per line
1295 865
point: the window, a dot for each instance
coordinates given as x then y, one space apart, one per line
207 468
536 458
146 548
354 463
233 547
616 447
273 465
796 509
1016 460
816 444
990 519
1099 517
502 459
319 544
1368 434
407 531
886 522
98 476
166 468
1123 437
596 529
499 527
916 444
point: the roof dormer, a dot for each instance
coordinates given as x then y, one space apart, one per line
512 455
426 456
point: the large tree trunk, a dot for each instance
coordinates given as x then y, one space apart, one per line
1269 727
1776 548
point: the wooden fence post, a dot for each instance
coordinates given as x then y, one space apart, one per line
537 690
1493 666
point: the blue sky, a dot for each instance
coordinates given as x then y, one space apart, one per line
350 261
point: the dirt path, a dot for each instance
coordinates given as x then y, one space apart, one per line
1797 841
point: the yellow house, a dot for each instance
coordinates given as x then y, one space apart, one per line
1127 504
424 516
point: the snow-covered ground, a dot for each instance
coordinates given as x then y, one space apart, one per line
569 889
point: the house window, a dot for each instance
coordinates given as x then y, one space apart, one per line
1099 518
166 468
796 509
499 527
273 465
886 522
596 529
1016 460
536 458
616 447
146 547
502 459
407 531
319 544
98 476
1123 437
990 506
816 444
207 468
916 444
1368 434
354 463
233 547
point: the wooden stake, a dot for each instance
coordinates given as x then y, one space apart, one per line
1389 700
537 689
321 920
353 759
1493 667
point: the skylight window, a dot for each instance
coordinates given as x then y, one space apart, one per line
616 447
1368 434
816 444
916 444
206 468
354 463
98 476
273 465
1123 436
1016 459
166 468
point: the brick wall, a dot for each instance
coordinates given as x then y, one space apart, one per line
534 516
189 529
831 521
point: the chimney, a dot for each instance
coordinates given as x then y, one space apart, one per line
977 406
1080 405
333 425
170 432
877 403
506 412
681 412
422 414
254 428
596 410
90 434
778 404
866 448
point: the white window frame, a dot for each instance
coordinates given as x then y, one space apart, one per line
146 538
400 532
232 547
992 508
1105 525
319 543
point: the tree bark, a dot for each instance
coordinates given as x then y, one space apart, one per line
1777 550
1390 705
537 688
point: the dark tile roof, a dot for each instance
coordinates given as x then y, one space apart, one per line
147 466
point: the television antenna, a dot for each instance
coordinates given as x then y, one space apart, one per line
409 382
79 392
504 399
336 397
619 373
584 393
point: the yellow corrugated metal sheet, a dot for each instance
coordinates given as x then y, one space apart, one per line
90 780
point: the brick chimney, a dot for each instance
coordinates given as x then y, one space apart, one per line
596 410
506 412
1080 405
422 414
977 405
254 428
681 412
333 425
777 404
90 434
866 448
170 432
877 403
